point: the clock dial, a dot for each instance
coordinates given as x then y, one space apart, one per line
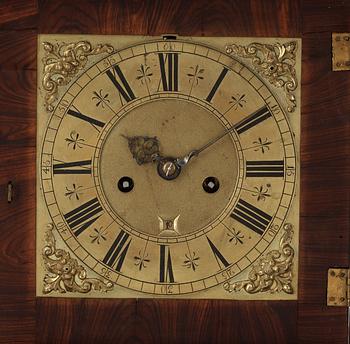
168 168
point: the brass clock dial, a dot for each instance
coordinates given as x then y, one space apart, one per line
165 168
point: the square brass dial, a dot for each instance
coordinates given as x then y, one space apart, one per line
168 167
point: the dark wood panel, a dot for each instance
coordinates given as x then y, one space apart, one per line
179 17
18 50
325 176
324 242
215 321
85 321
94 17
225 18
326 16
321 324
17 248
160 321
18 107
261 18
17 326
18 14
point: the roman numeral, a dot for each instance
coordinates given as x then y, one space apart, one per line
252 120
166 269
116 255
169 70
123 87
88 119
251 217
84 216
265 168
75 167
218 255
216 85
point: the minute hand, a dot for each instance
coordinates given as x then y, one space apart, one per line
185 159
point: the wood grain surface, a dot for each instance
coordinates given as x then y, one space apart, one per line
325 167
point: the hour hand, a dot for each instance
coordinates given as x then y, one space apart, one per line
186 158
144 149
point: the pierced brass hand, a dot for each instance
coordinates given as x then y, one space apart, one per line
144 149
182 161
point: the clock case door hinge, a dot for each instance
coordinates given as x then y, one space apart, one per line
341 51
338 287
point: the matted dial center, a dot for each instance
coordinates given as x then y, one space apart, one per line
162 189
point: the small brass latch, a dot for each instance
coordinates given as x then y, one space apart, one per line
338 288
9 192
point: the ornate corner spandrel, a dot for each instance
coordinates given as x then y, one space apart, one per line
62 62
272 272
275 63
63 274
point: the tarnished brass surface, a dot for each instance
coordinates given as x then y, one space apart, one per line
62 62
63 273
273 272
110 108
275 63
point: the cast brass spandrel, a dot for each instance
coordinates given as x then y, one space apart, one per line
137 206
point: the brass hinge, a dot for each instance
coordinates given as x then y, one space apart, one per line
341 51
338 288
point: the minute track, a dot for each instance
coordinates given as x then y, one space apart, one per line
161 273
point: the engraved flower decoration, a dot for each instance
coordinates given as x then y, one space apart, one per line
195 74
237 101
236 236
144 74
191 261
98 235
262 145
141 260
74 140
74 191
262 192
101 99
